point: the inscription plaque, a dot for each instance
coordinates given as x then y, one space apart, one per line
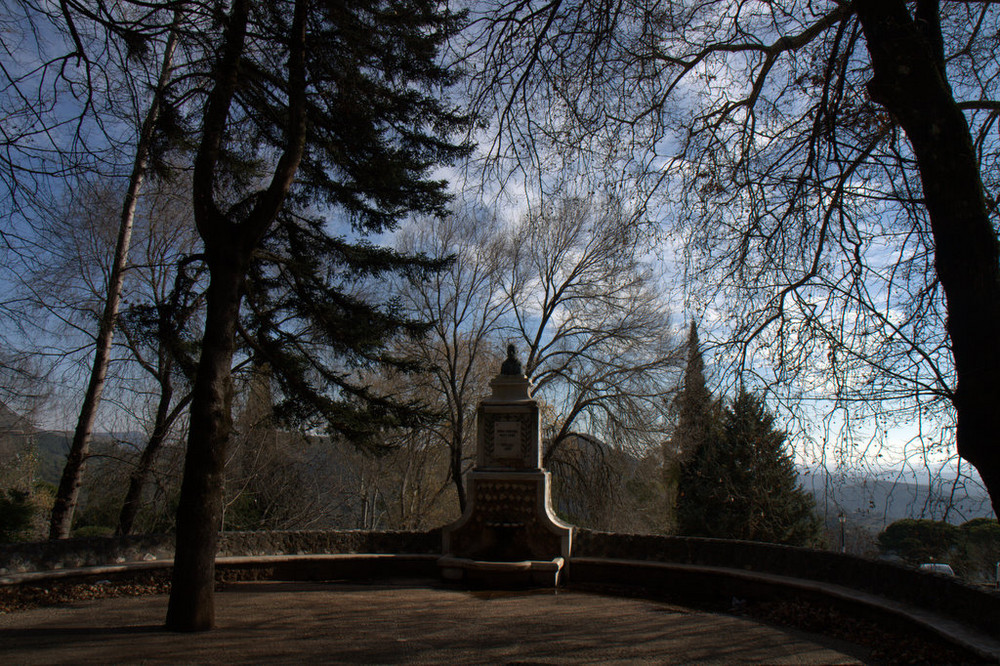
507 439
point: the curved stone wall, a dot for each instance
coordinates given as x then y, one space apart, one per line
942 594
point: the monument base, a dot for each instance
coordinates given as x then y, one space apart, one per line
508 534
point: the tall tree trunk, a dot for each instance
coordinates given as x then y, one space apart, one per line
456 475
199 514
910 81
68 493
136 481
229 246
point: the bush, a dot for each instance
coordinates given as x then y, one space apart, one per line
978 550
16 514
920 541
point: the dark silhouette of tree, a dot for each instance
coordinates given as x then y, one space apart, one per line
308 105
698 422
743 485
16 512
970 548
979 543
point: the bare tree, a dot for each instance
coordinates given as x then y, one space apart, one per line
587 308
405 487
69 485
67 114
157 326
65 293
467 306
837 166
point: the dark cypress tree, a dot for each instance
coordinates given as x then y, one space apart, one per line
697 425
743 485
697 415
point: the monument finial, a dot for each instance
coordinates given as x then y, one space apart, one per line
511 367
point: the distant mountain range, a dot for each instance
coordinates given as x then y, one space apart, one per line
874 503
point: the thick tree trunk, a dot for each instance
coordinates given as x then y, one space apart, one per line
910 81
68 493
228 246
199 513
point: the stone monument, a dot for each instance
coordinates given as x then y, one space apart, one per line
508 534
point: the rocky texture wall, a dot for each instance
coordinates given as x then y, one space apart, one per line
943 594
97 551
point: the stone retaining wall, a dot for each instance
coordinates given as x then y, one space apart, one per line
98 551
942 594
945 595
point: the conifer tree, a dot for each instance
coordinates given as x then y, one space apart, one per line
696 413
697 422
743 484
310 108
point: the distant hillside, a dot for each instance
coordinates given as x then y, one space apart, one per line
12 424
53 445
875 503
52 449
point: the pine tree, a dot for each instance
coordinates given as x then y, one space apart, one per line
310 108
743 485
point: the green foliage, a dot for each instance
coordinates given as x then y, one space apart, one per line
16 514
244 513
305 276
698 423
93 531
978 550
972 549
742 484
52 450
919 541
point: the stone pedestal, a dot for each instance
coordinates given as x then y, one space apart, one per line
508 534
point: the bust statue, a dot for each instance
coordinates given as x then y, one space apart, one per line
511 367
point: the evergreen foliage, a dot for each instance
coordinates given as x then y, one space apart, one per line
315 333
375 126
919 541
978 550
311 109
742 484
697 411
698 420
